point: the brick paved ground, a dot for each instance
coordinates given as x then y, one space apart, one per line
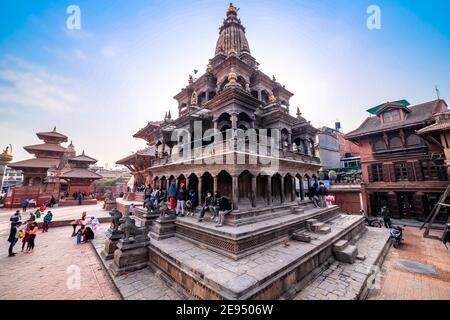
43 273
342 281
402 278
142 284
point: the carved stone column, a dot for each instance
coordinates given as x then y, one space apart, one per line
235 187
253 192
269 190
282 196
293 189
199 190
215 181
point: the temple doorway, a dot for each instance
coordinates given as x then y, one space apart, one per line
245 188
224 183
207 184
276 189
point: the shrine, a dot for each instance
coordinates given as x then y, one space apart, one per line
54 171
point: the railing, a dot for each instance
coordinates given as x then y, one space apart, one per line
233 145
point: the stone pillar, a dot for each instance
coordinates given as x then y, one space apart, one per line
235 191
282 190
207 95
199 190
259 95
269 190
293 189
302 189
186 182
215 181
234 121
253 192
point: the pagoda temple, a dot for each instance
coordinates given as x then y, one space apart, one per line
234 134
54 171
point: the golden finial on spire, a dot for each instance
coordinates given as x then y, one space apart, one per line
232 77
299 114
169 116
274 79
6 156
232 9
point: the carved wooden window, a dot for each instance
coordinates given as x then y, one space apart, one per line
434 170
391 116
377 172
401 171
413 140
395 143
379 145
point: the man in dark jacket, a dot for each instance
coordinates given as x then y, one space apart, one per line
312 195
181 197
13 238
386 217
322 192
207 206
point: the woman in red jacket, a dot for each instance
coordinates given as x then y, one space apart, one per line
32 232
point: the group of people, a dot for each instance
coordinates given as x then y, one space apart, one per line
317 193
185 202
26 230
86 227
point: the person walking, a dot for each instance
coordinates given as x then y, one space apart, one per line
172 195
80 198
322 192
16 217
312 195
47 219
181 200
32 232
385 212
25 204
13 237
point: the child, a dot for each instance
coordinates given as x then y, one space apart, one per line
32 232
47 219
26 236
94 223
80 235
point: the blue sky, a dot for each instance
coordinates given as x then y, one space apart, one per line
102 83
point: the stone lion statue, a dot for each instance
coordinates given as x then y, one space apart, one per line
164 210
129 228
116 215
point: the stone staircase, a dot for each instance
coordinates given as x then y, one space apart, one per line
345 252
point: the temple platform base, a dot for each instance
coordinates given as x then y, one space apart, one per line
268 273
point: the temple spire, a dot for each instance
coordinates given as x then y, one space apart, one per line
299 114
54 129
232 9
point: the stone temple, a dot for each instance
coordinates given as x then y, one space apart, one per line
274 241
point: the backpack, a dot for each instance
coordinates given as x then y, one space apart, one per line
38 214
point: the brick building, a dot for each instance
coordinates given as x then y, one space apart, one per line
399 167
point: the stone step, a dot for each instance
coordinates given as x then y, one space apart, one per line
310 222
324 230
315 227
347 255
340 245
302 237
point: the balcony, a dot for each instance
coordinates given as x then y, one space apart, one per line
233 145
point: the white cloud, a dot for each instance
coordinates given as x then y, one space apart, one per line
25 85
109 51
